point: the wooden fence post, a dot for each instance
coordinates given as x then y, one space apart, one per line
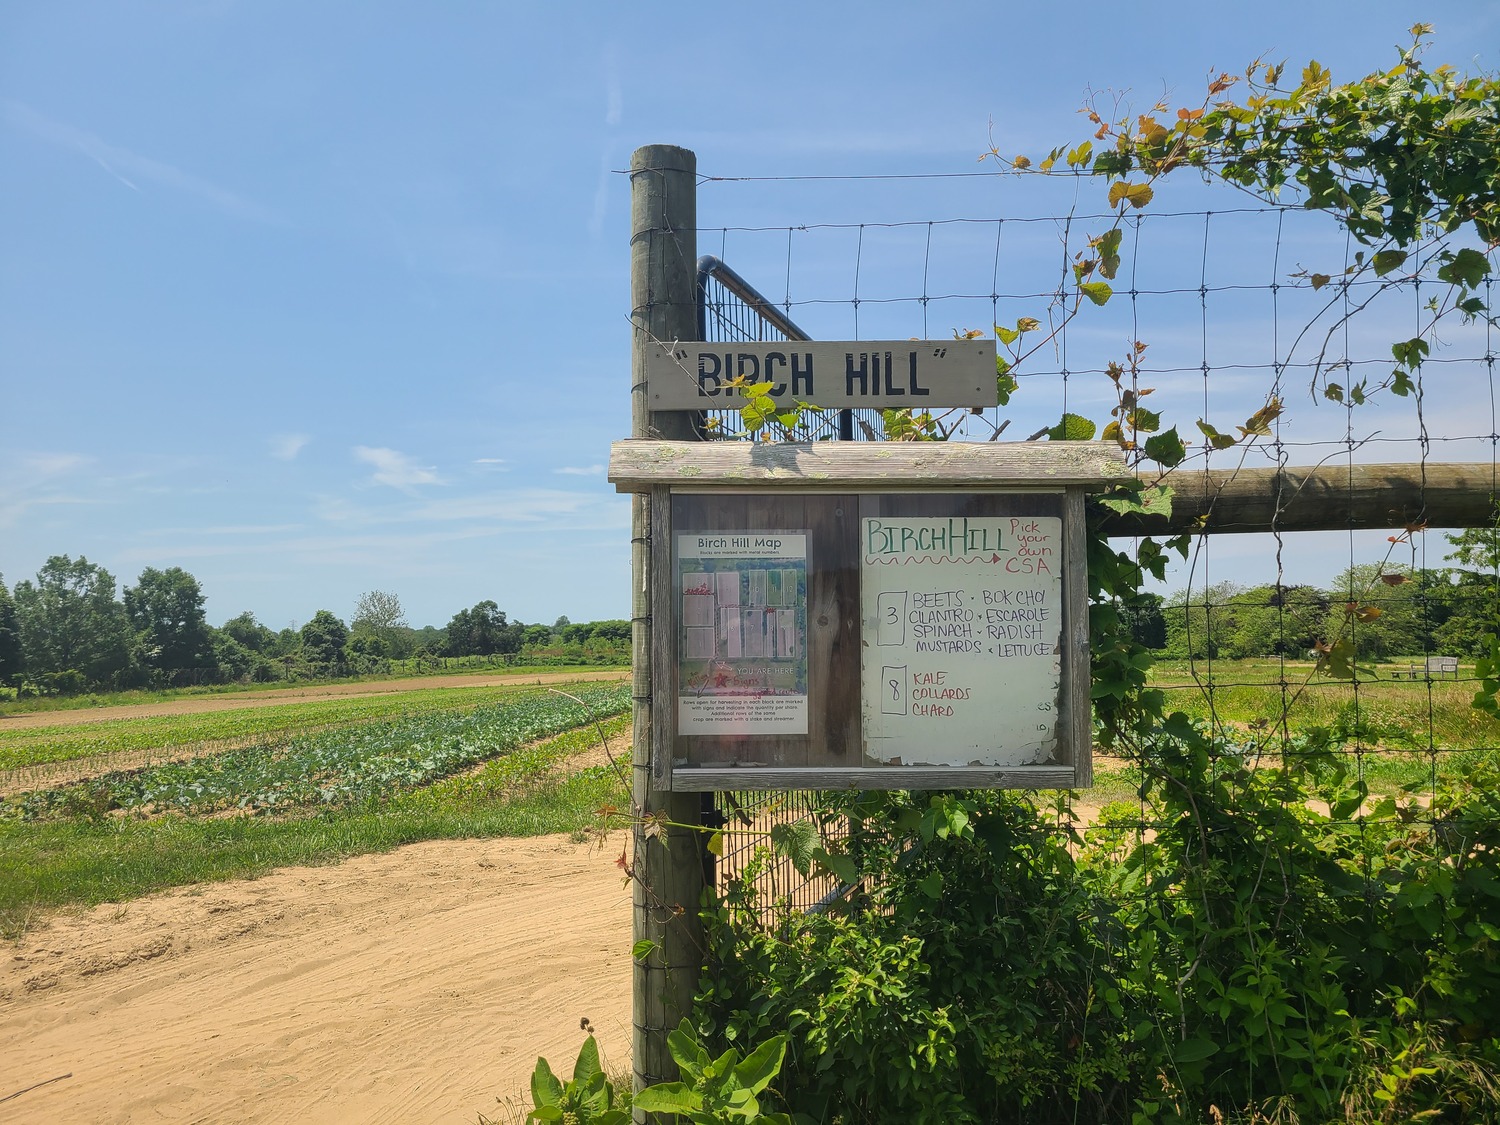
668 868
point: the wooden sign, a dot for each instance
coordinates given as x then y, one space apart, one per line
884 374
831 616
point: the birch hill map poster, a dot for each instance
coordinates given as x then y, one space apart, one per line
742 641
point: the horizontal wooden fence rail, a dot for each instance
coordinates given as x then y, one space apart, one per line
1320 498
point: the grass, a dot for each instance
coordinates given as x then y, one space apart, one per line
174 735
139 696
1397 734
1419 715
1386 772
83 861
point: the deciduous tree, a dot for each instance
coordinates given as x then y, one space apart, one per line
378 613
70 621
323 639
483 631
1476 548
1144 620
166 611
250 634
1378 608
10 638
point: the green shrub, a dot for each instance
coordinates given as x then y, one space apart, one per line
726 1090
588 1098
1225 948
958 986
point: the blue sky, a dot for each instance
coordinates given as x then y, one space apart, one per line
317 298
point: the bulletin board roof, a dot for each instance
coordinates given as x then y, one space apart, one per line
639 465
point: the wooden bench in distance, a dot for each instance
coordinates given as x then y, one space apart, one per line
1434 666
1442 666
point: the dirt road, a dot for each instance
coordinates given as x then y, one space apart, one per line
300 694
415 986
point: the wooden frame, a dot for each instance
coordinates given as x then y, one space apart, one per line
822 491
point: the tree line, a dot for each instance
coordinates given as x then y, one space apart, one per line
1385 611
67 631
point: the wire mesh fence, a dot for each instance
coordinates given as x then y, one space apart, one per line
768 877
730 309
1355 643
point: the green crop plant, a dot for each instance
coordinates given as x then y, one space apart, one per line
340 767
186 733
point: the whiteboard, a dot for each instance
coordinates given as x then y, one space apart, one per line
961 630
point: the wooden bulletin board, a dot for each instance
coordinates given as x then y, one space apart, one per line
871 636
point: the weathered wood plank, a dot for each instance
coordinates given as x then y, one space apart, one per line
663 249
894 777
637 465
1321 498
1077 716
661 669
833 633
921 374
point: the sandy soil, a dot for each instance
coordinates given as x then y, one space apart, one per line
414 986
301 694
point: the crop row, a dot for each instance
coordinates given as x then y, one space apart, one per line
64 742
345 766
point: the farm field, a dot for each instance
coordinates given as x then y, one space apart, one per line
128 705
214 722
386 912
1378 712
382 918
1398 733
439 768
455 675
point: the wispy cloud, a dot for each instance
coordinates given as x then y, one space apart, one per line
53 464
580 470
396 469
255 529
130 168
285 447
492 463
614 93
600 210
13 506
487 511
36 480
416 532
521 506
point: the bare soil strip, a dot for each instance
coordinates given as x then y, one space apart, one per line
413 986
300 694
